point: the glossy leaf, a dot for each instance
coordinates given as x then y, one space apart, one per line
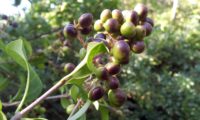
74 92
2 116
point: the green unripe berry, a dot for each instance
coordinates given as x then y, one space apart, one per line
82 53
128 29
70 108
98 25
116 97
111 25
117 14
105 15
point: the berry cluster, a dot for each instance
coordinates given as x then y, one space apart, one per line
121 32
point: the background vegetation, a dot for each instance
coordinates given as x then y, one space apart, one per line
162 83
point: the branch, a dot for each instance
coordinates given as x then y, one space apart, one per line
174 8
48 98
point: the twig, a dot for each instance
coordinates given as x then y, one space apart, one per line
20 114
174 8
75 107
48 98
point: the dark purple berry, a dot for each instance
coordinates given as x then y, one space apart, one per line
102 73
132 16
113 82
113 68
70 30
69 67
85 20
86 30
96 93
138 46
142 11
148 28
150 21
111 25
100 35
121 51
116 97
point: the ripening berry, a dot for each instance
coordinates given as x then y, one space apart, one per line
121 51
148 28
105 15
128 29
142 11
102 73
138 46
150 21
111 25
69 67
132 16
14 24
96 93
85 20
116 97
113 68
117 14
100 35
98 25
70 30
86 30
140 32
113 82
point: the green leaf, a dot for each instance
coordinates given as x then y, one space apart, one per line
81 111
83 117
34 119
15 49
2 46
64 102
86 66
104 113
0 106
2 116
74 92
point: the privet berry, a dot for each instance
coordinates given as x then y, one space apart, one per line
70 108
121 51
140 32
128 29
113 82
116 97
117 14
102 73
111 25
96 93
86 30
105 15
85 20
70 30
142 11
98 25
150 21
100 35
69 67
113 68
138 46
148 28
132 16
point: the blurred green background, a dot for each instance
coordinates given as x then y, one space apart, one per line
163 83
